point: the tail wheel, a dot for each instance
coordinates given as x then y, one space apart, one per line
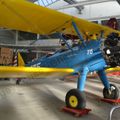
18 81
75 99
112 93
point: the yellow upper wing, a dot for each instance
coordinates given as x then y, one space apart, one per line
26 16
31 72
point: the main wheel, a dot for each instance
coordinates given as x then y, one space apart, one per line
75 99
112 93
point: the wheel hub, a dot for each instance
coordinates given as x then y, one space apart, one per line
73 101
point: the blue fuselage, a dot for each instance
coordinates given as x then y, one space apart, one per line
79 57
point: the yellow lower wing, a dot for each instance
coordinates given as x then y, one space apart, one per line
32 72
113 69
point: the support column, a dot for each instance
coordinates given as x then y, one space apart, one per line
16 37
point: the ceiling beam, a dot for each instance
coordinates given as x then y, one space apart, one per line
79 8
82 3
32 0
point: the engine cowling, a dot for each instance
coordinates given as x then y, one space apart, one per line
112 50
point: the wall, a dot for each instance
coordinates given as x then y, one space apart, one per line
101 10
7 36
43 42
6 56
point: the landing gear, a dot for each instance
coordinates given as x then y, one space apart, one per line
75 99
112 93
18 81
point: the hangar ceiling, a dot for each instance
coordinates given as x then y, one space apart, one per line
79 4
44 2
73 3
85 2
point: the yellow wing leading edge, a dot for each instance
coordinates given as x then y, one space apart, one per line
113 69
32 72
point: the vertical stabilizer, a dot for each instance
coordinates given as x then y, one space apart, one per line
20 60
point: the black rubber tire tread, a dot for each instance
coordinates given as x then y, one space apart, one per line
114 95
80 96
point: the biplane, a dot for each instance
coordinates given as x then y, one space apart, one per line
88 55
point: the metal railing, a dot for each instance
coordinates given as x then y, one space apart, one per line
111 112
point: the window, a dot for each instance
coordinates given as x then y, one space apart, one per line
27 36
46 2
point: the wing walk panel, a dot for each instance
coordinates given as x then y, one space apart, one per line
32 72
26 16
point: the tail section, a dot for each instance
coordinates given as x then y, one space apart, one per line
20 60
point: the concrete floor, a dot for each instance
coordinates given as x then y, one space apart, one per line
42 100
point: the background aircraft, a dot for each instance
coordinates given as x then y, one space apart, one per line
87 56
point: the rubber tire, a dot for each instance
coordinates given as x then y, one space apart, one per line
114 95
80 96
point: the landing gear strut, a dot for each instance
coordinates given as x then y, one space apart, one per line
75 99
111 93
18 81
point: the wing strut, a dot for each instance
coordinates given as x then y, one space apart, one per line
78 32
101 34
69 47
